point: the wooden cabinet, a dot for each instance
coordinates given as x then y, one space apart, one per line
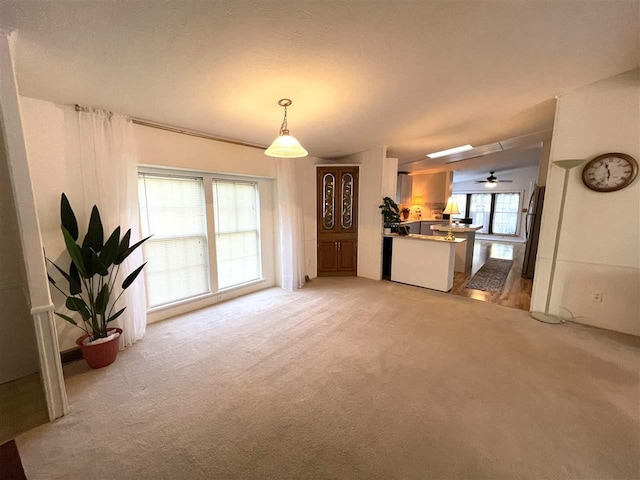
327 256
347 256
337 257
337 207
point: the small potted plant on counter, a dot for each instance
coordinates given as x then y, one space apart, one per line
91 280
405 213
390 214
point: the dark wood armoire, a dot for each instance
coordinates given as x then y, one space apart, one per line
337 203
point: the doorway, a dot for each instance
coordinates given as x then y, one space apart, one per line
337 224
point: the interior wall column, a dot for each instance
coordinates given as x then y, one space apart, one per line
29 229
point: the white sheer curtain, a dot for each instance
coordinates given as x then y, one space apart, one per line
291 225
108 170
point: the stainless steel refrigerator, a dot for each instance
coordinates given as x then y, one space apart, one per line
532 225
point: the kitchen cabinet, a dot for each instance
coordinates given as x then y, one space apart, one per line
404 189
414 227
425 226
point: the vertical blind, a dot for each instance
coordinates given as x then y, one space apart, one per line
172 209
237 232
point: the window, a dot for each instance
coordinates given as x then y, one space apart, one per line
237 232
505 213
480 210
461 200
173 210
497 212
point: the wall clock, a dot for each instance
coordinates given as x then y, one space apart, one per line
610 172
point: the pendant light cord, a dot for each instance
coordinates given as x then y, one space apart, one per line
284 128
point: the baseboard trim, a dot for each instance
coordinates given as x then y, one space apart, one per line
72 355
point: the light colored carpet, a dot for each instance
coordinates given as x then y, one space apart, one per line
353 379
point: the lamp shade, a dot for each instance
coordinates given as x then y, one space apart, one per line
569 163
418 200
452 207
286 146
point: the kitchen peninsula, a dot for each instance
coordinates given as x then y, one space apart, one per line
464 252
424 260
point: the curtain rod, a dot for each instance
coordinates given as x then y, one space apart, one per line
182 131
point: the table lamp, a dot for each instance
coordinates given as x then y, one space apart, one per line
418 202
451 209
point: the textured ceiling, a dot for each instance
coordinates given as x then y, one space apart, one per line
416 77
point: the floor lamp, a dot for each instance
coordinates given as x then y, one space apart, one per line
545 316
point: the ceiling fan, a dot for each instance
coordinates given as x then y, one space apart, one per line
492 180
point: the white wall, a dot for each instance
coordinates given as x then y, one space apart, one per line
524 179
54 160
599 250
306 173
18 351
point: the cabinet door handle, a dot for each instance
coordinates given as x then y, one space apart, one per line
338 245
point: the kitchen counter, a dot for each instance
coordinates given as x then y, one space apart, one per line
430 238
415 220
424 260
457 228
464 252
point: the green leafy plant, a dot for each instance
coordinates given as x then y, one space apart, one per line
93 271
389 211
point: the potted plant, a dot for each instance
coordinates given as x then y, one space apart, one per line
390 214
405 212
91 279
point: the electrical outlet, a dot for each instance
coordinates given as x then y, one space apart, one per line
597 297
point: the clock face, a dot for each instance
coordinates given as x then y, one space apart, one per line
610 172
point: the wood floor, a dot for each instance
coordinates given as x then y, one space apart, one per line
517 290
22 406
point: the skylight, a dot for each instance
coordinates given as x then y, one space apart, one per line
450 151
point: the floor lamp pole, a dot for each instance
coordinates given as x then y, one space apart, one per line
545 316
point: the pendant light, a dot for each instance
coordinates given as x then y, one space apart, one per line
285 146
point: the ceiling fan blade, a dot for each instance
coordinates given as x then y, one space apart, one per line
504 181
481 181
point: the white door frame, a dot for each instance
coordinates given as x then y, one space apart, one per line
29 229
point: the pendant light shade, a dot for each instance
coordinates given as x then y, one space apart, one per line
285 146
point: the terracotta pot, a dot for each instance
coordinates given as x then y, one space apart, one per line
101 354
405 215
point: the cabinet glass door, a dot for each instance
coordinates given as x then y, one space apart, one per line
328 221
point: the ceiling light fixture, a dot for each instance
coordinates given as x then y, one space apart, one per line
285 146
450 151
